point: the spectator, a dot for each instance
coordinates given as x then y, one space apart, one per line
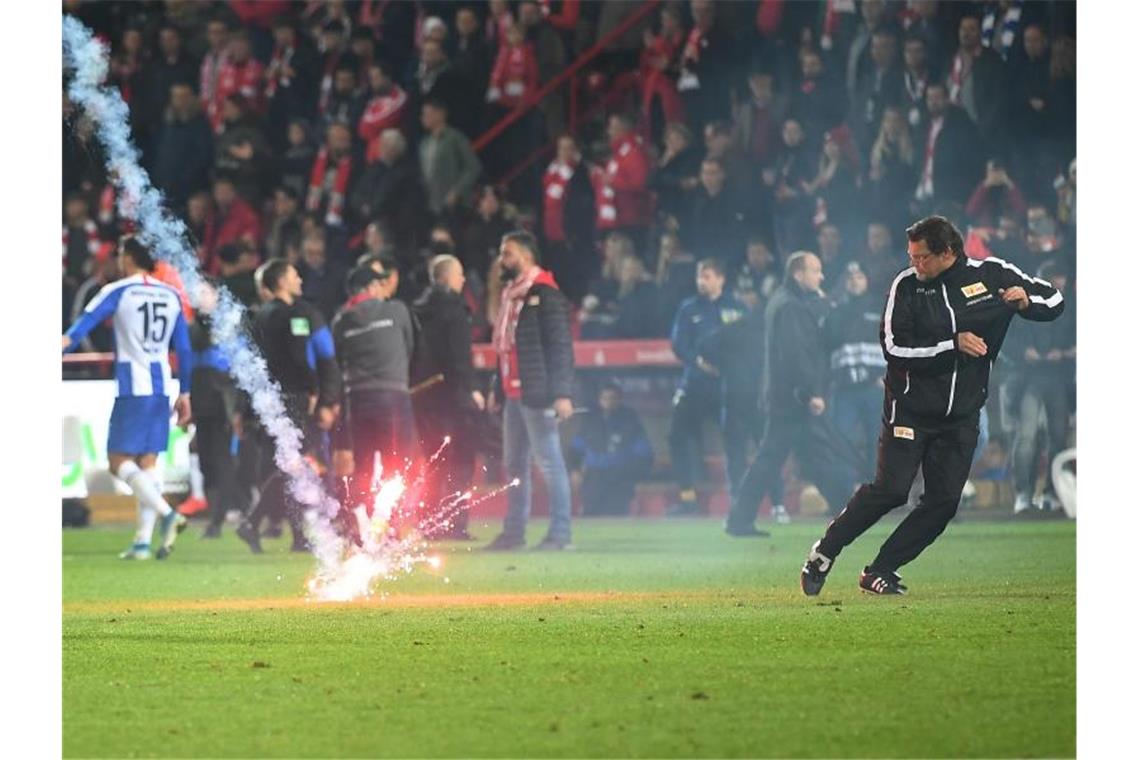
831 254
127 64
568 219
209 73
707 67
484 231
322 277
550 59
609 453
718 227
794 205
472 56
860 53
499 20
344 104
758 119
231 220
677 174
291 81
391 191
1066 189
676 273
880 86
438 80
237 263
387 109
285 226
952 158
515 76
977 82
600 305
836 185
917 74
172 66
818 103
184 148
1042 389
450 168
893 171
362 45
757 279
627 175
81 241
880 262
660 64
331 175
937 34
297 159
995 195
851 336
720 143
198 208
241 74
105 270
1063 96
242 152
638 307
334 45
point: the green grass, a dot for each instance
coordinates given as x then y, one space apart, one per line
705 647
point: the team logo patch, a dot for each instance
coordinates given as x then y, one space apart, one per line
533 300
299 326
904 432
974 290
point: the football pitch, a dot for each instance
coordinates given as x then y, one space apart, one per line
653 639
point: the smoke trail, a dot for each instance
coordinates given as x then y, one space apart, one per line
167 237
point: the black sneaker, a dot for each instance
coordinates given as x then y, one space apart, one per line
549 544
212 531
273 530
505 543
749 532
815 571
248 533
879 582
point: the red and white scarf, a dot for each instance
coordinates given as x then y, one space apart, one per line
511 303
318 180
282 57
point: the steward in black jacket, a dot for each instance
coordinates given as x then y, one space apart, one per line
944 323
447 401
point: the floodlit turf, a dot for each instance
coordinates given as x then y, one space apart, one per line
654 639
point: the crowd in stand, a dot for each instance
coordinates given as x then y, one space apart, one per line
323 131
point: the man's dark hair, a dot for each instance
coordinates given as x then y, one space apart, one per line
130 246
345 67
269 274
230 253
938 233
360 278
937 85
287 191
795 264
715 265
714 160
757 238
436 103
720 127
912 37
527 240
624 118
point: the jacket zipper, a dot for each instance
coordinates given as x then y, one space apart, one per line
954 331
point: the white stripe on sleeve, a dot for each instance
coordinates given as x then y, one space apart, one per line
905 352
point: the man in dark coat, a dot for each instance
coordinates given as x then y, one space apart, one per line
448 400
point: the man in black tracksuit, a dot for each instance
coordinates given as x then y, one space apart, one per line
794 386
298 349
450 401
944 323
374 340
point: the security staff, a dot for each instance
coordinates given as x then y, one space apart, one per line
944 323
794 384
698 396
449 402
298 351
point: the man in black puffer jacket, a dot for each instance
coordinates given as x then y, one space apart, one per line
536 371
944 323
448 399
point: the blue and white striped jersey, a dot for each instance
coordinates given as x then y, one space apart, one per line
148 322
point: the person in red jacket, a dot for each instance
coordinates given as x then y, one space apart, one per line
660 59
568 219
386 109
231 220
243 75
515 76
627 176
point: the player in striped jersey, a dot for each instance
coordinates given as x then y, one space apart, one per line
148 322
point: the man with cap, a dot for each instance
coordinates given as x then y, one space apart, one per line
374 340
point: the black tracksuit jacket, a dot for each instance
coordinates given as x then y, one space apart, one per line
929 381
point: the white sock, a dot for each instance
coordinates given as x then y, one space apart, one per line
147 518
144 487
197 482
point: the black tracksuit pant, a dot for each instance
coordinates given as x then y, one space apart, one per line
945 453
219 467
815 447
275 502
